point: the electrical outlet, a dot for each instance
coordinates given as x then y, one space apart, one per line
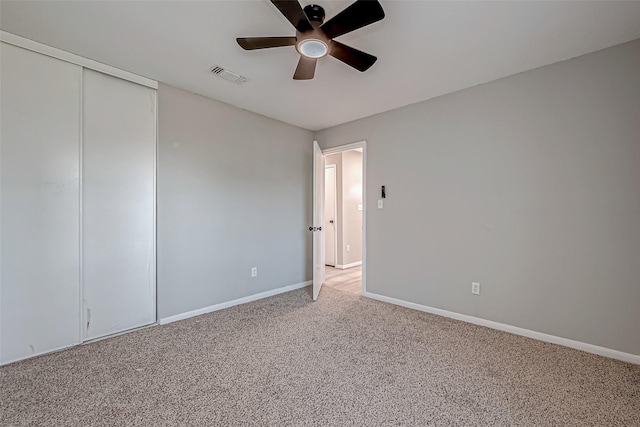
348 248
254 271
475 288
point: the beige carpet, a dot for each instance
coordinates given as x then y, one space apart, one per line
342 361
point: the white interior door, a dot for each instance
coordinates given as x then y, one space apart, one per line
318 220
39 199
330 215
118 205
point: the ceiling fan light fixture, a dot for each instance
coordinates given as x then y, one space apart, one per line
313 48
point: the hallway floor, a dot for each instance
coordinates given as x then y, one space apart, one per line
349 280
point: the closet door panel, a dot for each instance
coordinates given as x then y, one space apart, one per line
39 203
118 205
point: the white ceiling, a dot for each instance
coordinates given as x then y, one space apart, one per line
425 49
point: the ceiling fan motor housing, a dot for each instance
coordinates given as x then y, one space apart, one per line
315 14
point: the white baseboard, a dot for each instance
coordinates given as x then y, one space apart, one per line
353 264
589 348
228 304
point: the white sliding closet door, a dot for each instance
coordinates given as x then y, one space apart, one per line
118 205
39 203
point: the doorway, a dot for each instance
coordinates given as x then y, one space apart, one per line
330 214
344 217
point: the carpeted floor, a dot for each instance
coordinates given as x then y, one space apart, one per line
342 361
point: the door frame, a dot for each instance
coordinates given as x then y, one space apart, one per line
335 210
318 221
340 149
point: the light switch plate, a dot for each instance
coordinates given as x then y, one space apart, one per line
380 204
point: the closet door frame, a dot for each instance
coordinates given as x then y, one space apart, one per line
75 59
86 63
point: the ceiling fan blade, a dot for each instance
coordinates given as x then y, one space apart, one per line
292 10
358 15
358 59
251 43
306 68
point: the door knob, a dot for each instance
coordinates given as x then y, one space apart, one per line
310 228
331 222
319 228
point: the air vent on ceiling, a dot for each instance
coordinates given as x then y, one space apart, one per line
229 75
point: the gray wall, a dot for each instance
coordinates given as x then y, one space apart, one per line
234 192
529 185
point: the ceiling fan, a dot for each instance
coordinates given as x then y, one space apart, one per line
314 37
